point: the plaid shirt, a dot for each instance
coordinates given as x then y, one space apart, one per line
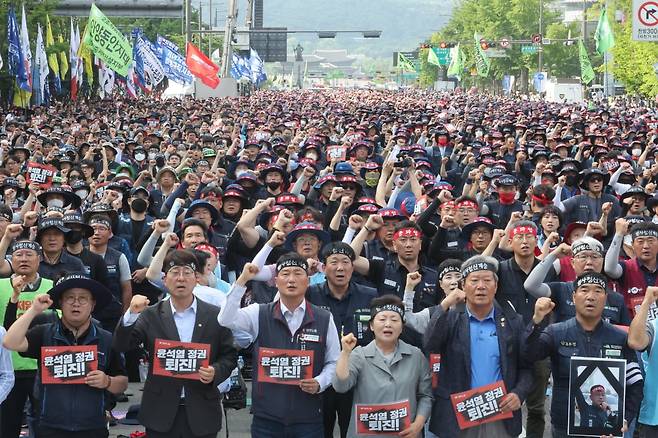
6 369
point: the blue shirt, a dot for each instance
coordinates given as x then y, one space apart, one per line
485 351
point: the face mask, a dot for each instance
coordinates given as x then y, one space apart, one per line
372 178
443 141
571 180
152 155
82 194
636 152
311 155
55 203
479 134
73 237
273 185
139 205
140 157
506 198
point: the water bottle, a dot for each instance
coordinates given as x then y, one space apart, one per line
143 370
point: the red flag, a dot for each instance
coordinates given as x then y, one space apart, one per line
201 67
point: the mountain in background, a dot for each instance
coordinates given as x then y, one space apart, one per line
404 23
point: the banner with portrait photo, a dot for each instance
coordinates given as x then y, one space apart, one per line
597 389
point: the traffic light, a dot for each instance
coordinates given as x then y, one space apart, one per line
424 46
443 45
484 44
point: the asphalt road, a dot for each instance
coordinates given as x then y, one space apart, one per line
238 421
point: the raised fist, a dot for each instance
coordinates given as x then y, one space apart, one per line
138 303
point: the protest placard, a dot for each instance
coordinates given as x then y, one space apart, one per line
67 364
382 419
285 367
180 360
480 405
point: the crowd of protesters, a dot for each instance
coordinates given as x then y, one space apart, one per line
366 230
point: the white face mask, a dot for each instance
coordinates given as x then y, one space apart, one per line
82 194
55 203
239 173
140 157
636 152
152 155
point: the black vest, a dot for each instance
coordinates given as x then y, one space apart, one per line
288 404
113 309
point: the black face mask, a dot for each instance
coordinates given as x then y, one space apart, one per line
73 237
273 185
139 205
571 180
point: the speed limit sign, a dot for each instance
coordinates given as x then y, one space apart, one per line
504 43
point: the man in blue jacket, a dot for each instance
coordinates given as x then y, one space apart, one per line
479 346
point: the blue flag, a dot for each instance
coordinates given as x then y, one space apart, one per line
173 62
257 67
15 54
241 68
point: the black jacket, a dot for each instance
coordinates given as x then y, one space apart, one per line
162 394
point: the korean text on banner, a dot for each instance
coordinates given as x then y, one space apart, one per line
107 42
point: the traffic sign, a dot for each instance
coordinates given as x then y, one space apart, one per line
504 43
496 53
645 20
528 50
536 38
545 41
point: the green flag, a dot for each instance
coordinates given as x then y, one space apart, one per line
482 62
405 64
586 71
432 58
605 38
456 67
107 42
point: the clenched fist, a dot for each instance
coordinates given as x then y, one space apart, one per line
138 303
543 307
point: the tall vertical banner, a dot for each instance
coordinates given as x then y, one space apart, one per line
173 62
482 62
15 54
586 71
147 65
107 42
604 36
456 67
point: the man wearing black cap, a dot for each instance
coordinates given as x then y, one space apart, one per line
73 410
56 263
118 272
588 207
478 347
16 296
585 335
349 305
94 265
133 226
171 406
500 210
294 409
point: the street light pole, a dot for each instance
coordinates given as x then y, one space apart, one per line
228 34
541 29
188 30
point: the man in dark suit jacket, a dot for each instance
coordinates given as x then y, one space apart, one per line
478 347
179 407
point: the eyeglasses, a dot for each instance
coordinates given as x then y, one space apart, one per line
181 272
596 180
83 300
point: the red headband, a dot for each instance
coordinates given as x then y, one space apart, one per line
406 232
543 199
522 230
207 248
448 204
468 204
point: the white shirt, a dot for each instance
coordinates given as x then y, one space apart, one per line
246 319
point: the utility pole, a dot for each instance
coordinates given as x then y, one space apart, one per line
249 16
200 27
541 32
209 27
228 35
188 30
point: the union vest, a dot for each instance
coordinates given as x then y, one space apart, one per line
633 284
75 407
288 404
24 303
113 309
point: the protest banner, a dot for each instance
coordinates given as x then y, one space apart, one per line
382 419
480 405
636 302
286 367
67 364
180 360
337 153
435 367
41 174
597 389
